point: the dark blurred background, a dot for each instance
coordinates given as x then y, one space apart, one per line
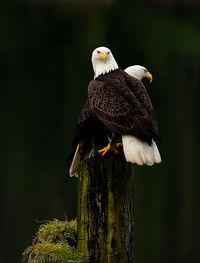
45 67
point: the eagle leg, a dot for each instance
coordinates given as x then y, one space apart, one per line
108 148
119 144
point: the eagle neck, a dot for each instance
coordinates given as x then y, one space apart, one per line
104 68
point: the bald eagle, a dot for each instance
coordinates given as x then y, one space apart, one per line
117 106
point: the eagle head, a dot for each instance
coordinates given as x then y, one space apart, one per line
139 72
103 61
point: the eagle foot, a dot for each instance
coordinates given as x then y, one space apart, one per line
108 148
119 146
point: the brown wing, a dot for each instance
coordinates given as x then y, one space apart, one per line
119 109
89 126
141 94
89 132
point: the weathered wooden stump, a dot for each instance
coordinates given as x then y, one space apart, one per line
106 209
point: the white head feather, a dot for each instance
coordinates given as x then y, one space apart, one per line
103 61
137 71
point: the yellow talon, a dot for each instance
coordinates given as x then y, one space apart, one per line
119 144
108 148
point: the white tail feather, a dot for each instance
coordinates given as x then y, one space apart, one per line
157 156
139 152
73 171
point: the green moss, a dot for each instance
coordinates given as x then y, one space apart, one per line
55 241
58 231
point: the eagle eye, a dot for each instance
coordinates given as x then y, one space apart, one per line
98 52
108 52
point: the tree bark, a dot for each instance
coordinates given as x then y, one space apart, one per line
106 209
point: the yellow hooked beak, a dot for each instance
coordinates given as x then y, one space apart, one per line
103 55
149 76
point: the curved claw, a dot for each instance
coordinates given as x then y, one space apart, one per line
120 145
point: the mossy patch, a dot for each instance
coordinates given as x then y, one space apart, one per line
55 241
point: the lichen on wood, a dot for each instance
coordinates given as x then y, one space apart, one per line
106 209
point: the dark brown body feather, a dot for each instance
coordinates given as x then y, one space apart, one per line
89 126
89 131
122 104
